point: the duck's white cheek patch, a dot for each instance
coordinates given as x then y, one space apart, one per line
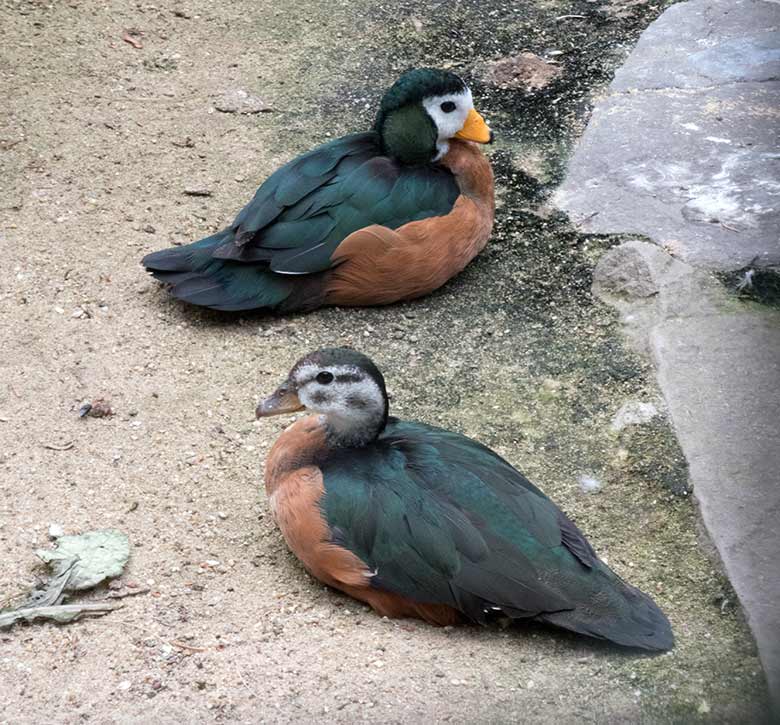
448 124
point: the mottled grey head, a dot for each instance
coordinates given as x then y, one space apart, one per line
341 384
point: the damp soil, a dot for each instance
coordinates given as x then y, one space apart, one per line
753 284
99 140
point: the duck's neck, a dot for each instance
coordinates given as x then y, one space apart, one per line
356 428
408 135
472 172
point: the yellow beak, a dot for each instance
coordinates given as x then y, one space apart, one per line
475 129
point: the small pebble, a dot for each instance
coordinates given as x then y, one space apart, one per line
633 412
589 484
239 101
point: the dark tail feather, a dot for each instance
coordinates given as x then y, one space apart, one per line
196 277
620 613
189 258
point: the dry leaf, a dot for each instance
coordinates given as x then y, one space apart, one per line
128 37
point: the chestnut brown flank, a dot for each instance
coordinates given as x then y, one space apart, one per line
295 487
377 265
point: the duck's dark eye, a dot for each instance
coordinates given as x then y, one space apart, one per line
324 377
447 106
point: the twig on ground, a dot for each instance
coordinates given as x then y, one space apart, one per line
128 593
58 446
61 613
188 647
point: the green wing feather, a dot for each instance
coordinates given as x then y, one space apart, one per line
441 518
297 219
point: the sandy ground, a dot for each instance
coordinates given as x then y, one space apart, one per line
98 142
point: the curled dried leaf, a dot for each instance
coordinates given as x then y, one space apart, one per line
131 37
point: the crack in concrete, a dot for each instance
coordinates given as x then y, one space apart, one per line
697 89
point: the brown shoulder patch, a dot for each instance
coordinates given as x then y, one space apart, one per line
299 445
295 503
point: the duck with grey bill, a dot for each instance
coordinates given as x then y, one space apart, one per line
419 521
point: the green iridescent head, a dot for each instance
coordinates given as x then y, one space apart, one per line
422 111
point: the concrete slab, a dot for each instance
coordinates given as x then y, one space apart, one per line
647 285
704 43
684 149
720 377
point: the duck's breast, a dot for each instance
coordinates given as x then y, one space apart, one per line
296 489
378 265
